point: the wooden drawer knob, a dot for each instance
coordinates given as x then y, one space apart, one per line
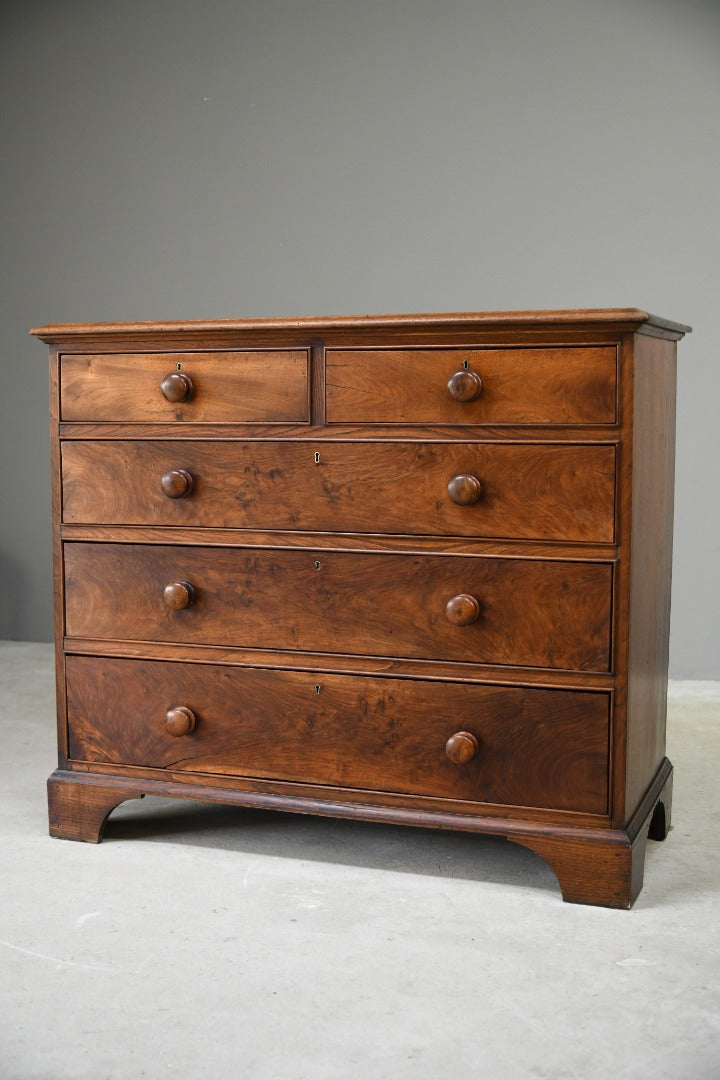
462 610
461 747
464 385
179 721
465 489
177 484
176 386
179 595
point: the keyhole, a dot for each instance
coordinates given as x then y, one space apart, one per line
317 457
317 564
466 364
317 687
179 367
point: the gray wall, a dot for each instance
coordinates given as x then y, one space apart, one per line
179 159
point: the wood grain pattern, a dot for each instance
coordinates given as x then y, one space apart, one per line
79 811
333 800
519 386
531 612
435 811
642 590
494 335
379 734
607 871
317 384
621 590
653 475
58 570
356 433
399 667
528 491
585 319
333 541
327 801
226 387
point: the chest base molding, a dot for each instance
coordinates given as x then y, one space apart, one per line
593 865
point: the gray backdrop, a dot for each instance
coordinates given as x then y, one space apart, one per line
183 159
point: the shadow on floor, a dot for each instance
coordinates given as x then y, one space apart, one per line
349 843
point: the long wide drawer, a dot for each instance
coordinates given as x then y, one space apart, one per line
514 491
213 387
571 385
541 748
480 610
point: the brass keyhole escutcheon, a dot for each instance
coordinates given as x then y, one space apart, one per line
317 564
317 457
466 364
317 688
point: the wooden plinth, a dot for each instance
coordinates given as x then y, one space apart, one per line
593 866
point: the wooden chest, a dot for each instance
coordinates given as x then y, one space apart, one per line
410 569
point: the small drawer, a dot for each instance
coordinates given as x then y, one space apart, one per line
505 490
200 387
484 744
530 612
571 385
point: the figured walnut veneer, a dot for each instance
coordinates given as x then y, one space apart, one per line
536 612
520 491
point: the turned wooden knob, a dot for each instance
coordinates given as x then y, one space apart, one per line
464 385
179 721
465 489
461 747
177 484
179 595
462 610
176 386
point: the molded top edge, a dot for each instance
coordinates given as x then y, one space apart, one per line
629 318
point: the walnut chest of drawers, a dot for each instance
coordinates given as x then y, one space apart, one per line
409 569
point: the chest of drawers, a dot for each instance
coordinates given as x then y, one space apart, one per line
409 569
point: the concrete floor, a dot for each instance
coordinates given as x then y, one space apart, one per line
199 941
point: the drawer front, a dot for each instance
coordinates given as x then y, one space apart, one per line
526 491
220 387
517 386
503 611
542 748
